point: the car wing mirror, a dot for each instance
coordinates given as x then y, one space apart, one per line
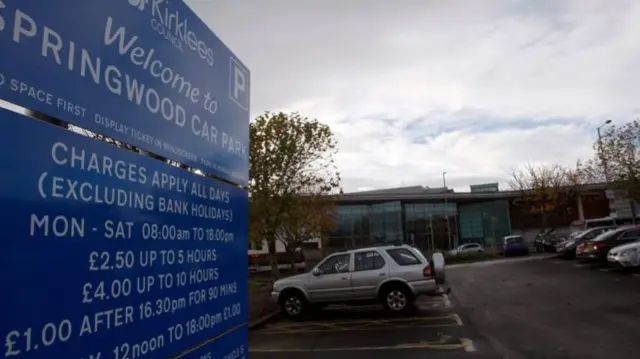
438 267
316 272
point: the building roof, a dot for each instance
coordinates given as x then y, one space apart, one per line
434 194
401 190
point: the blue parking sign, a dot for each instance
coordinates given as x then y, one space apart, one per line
146 72
106 253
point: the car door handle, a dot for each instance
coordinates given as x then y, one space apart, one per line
344 278
382 274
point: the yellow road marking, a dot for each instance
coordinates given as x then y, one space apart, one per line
452 320
366 321
464 344
410 321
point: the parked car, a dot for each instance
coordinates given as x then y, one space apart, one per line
625 256
546 241
540 242
514 245
572 235
598 248
391 275
567 248
466 249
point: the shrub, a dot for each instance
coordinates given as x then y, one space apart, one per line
469 257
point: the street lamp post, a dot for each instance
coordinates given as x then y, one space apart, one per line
446 208
603 160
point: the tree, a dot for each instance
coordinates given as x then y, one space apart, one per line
543 190
290 156
310 215
617 161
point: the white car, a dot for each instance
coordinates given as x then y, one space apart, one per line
466 248
391 275
625 256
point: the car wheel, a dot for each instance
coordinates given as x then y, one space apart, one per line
397 299
294 304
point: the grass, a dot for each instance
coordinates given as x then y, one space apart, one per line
471 257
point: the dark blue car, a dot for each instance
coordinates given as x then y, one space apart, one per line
514 246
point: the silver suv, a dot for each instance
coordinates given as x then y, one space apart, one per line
391 275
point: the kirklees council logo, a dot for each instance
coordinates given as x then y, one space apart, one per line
138 3
173 25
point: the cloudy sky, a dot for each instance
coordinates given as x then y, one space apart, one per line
413 88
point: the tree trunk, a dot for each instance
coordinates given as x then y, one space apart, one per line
291 255
273 259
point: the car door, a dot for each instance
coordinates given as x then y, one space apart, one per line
627 237
472 248
333 280
369 270
464 248
460 249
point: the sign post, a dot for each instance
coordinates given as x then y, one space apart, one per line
104 252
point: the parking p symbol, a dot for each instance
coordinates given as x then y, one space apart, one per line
239 84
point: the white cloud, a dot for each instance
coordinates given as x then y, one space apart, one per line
413 88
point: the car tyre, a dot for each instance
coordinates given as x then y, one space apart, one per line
397 299
294 305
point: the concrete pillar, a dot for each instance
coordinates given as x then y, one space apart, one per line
580 208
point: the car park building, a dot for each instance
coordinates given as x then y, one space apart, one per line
442 219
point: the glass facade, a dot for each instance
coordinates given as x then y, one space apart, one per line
363 225
485 222
429 226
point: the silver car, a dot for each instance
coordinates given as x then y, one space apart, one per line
625 256
391 275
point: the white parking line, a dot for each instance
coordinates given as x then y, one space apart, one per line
446 300
559 262
467 345
579 265
605 269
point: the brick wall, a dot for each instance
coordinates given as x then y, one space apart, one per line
594 205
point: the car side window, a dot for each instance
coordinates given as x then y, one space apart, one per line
403 257
632 234
339 263
370 260
625 235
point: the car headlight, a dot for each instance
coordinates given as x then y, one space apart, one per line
628 252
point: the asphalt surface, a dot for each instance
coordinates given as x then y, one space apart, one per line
551 309
522 308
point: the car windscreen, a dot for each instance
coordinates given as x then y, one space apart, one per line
588 233
513 240
609 234
576 234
